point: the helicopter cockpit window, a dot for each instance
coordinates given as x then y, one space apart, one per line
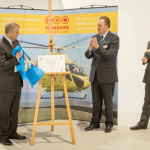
84 71
68 75
66 69
75 69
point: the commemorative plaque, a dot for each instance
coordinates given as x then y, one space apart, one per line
51 63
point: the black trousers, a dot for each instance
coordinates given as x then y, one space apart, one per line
102 92
146 107
9 107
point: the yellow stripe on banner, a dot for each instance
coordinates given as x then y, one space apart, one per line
61 24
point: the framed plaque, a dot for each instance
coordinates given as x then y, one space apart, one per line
51 63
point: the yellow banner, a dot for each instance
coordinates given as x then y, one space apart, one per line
61 24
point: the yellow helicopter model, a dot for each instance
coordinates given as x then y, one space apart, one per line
76 82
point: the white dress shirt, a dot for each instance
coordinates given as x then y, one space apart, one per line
104 35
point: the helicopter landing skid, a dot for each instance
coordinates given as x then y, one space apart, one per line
63 96
79 97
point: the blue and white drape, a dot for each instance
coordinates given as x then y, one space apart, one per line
27 71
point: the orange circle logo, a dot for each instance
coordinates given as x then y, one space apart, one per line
65 20
57 20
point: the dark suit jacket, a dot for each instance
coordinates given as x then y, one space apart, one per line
104 59
10 81
146 78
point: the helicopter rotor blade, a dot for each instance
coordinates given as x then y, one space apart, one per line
67 47
82 47
33 43
62 48
35 47
76 47
80 40
56 48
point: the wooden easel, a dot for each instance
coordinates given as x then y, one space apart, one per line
52 123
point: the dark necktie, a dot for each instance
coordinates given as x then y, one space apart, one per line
13 45
101 39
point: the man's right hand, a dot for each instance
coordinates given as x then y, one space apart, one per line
148 51
19 54
90 46
144 60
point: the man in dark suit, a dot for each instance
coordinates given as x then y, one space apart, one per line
103 48
142 124
10 85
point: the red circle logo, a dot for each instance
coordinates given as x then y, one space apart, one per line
57 20
65 19
47 20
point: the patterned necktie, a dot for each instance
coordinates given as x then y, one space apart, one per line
101 39
13 45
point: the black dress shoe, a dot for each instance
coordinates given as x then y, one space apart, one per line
6 142
108 129
138 126
91 127
17 136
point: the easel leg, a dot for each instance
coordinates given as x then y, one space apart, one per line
68 109
52 102
36 111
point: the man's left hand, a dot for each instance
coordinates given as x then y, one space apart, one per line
144 60
94 43
33 63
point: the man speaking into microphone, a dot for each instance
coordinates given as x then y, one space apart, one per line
103 49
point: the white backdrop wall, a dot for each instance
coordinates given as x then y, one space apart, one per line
36 4
134 33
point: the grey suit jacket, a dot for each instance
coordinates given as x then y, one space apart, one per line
10 81
104 59
146 78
